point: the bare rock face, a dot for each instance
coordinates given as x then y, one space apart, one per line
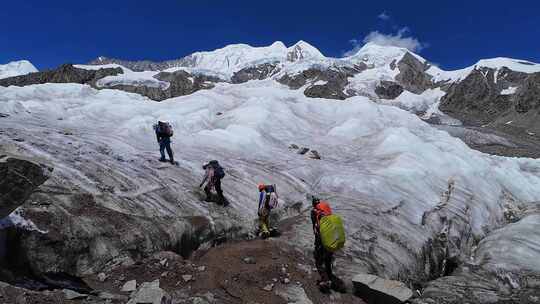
388 90
66 73
527 97
502 99
475 99
258 72
18 179
84 238
412 74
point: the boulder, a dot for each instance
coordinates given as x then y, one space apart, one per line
268 287
303 150
314 154
102 277
150 293
375 290
294 294
249 260
130 286
73 295
18 179
187 277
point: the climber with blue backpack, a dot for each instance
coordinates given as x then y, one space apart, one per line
329 238
213 175
164 132
268 200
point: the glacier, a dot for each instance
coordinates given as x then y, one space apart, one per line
414 198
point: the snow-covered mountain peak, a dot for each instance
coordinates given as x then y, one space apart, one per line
234 57
16 68
379 55
303 50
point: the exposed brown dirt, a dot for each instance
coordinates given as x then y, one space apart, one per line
224 272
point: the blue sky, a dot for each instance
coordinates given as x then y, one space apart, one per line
453 34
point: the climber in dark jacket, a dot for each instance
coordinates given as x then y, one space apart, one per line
163 135
212 177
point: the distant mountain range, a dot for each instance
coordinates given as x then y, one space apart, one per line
502 92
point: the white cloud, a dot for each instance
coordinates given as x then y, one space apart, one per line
399 39
383 16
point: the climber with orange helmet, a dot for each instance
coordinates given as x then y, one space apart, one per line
323 256
268 200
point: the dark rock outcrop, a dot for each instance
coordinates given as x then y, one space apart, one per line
258 72
181 83
412 75
335 80
137 66
66 73
388 90
18 179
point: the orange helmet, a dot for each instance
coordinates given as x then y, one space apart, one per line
261 186
324 208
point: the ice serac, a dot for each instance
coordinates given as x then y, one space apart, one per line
16 68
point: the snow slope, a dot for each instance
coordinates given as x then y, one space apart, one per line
16 68
389 174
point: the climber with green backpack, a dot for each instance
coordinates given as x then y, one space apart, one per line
329 238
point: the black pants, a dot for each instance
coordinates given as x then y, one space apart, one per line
217 186
165 144
323 261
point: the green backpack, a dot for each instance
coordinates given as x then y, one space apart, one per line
332 232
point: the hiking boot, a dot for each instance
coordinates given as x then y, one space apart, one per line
324 286
338 285
162 160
